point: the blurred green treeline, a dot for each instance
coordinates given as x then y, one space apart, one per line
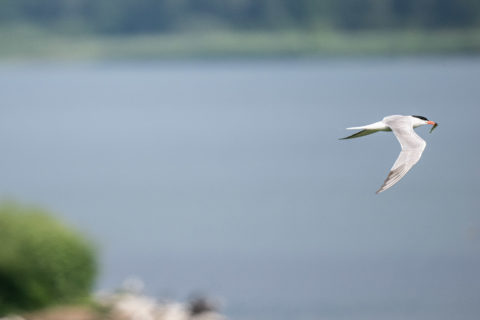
42 261
151 29
153 16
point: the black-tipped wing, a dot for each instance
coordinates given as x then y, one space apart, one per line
360 134
412 149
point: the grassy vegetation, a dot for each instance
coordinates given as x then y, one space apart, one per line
24 43
42 262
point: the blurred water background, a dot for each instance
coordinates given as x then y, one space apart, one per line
227 178
197 144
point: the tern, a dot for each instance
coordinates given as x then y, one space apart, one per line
412 144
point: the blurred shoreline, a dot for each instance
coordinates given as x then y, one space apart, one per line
25 43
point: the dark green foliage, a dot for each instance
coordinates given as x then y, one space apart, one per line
144 16
42 262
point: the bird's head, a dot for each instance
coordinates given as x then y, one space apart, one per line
420 121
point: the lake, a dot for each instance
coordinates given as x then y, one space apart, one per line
227 178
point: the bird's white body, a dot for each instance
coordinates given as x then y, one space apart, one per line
383 126
412 144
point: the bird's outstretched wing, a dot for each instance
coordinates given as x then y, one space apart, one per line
412 149
360 134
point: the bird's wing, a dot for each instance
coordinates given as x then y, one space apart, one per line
360 134
412 149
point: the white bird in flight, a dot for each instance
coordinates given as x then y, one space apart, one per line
412 144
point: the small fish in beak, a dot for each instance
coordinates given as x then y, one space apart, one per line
434 125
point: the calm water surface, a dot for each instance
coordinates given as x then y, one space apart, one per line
227 178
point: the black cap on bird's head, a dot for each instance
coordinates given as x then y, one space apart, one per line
421 117
433 123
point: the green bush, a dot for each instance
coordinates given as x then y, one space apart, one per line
42 262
